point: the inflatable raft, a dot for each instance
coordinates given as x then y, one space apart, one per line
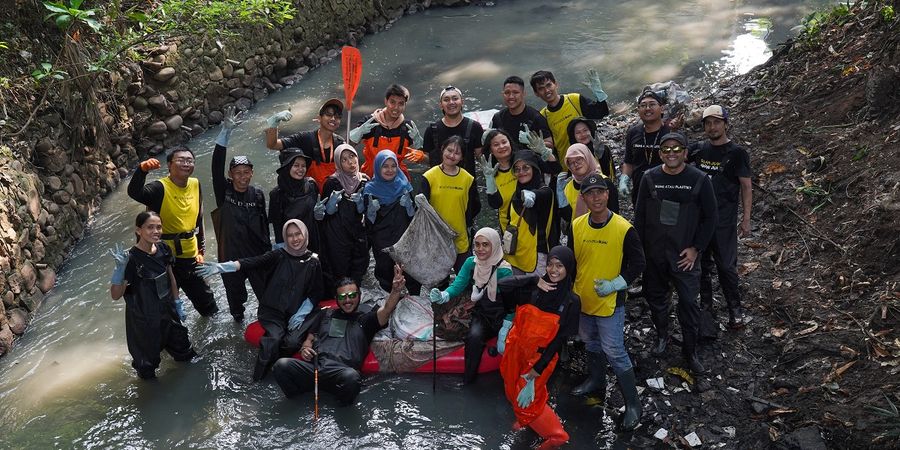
395 355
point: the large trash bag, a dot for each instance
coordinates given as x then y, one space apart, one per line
413 319
426 249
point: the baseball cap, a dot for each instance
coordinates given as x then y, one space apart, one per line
239 161
715 111
593 182
674 136
332 102
649 93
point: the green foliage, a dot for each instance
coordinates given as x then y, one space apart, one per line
887 13
46 71
65 16
815 23
861 153
889 418
4 45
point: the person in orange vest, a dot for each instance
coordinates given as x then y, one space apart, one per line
388 129
318 144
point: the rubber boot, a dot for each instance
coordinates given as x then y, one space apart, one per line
632 416
595 384
548 426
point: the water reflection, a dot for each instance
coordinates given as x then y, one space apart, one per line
68 383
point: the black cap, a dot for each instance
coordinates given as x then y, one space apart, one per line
593 182
674 136
239 161
287 157
649 93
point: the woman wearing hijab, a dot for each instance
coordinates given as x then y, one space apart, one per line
546 315
294 197
584 131
531 213
499 179
340 212
581 165
293 290
389 210
481 272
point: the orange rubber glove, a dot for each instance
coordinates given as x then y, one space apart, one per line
199 258
414 155
150 164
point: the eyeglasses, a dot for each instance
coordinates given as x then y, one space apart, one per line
522 169
648 105
346 295
675 149
184 161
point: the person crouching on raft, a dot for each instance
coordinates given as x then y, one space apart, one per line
340 339
544 319
453 193
499 180
481 272
389 210
293 290
340 215
143 274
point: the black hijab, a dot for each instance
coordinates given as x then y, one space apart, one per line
555 300
288 185
537 181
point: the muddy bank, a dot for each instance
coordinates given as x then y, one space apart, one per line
56 168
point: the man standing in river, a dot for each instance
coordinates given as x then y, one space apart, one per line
318 144
178 201
517 118
453 124
388 129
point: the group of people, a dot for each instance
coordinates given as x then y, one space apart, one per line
546 172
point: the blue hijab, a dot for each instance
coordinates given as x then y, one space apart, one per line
387 192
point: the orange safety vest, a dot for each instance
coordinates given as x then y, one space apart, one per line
532 329
376 143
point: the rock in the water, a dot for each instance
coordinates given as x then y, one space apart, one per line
18 320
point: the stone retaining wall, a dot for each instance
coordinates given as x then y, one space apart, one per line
171 93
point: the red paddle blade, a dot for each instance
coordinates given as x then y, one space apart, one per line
351 67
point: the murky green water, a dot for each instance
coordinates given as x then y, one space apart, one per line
68 382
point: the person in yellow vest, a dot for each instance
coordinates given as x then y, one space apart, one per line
178 201
581 165
609 256
531 212
453 194
499 180
562 108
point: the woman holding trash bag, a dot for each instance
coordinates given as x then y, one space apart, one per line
500 182
294 197
293 290
389 210
547 314
481 272
453 194
530 216
340 215
581 165
143 274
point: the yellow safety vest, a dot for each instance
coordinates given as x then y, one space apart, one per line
506 186
525 258
599 254
179 211
559 124
450 199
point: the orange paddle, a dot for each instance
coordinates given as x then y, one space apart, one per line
351 68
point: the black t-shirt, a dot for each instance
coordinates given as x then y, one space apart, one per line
308 142
677 188
513 124
437 133
642 150
725 165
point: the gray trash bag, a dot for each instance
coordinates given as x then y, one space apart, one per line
426 250
413 319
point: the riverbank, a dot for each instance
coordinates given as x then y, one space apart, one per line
58 159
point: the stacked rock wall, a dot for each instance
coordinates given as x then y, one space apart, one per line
49 187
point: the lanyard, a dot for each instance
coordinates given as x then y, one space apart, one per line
322 147
648 153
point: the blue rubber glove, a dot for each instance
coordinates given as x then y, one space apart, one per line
490 183
357 133
438 296
504 330
281 116
526 395
624 188
121 256
594 85
179 309
278 245
524 135
210 268
357 199
414 134
333 200
297 319
372 210
528 198
229 123
606 287
406 202
536 144
562 180
319 210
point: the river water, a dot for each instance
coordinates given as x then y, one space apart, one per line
68 382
